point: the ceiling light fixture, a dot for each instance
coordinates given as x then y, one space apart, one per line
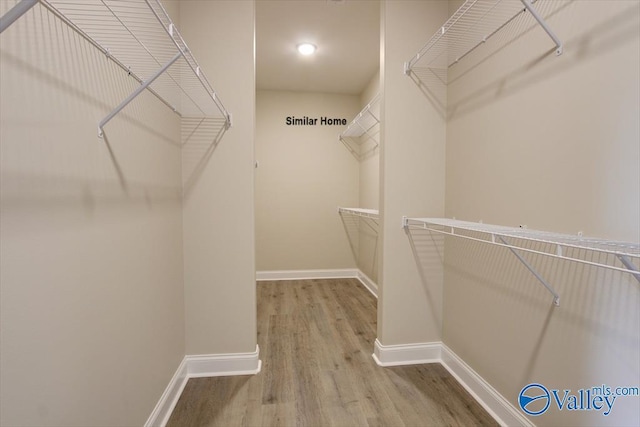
306 48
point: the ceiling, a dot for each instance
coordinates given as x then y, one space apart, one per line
346 32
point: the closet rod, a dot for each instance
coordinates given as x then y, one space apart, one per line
16 12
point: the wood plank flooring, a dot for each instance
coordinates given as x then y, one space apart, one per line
316 338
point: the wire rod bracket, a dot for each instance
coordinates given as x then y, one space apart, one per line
137 92
630 265
15 13
527 4
556 297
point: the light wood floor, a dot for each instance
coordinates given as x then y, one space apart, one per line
316 338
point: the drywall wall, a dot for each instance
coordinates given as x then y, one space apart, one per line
369 189
218 205
552 143
412 180
304 173
91 278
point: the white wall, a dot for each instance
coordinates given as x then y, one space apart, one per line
219 248
91 277
304 174
553 143
412 179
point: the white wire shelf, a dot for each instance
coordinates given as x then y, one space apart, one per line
365 213
469 27
363 128
591 251
140 38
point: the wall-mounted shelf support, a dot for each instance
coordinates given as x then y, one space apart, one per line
15 13
556 297
527 4
554 245
145 84
626 261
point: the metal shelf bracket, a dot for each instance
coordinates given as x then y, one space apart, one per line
15 13
135 93
630 265
556 297
527 4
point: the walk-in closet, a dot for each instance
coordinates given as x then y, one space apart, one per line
319 212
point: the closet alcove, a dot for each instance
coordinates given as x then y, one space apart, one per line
317 139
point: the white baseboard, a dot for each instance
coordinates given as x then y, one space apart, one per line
223 365
368 283
436 352
345 273
407 354
306 274
493 402
198 366
161 413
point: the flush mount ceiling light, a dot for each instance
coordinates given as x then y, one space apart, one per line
306 48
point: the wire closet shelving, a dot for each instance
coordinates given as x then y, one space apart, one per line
358 212
469 27
363 129
139 37
577 248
